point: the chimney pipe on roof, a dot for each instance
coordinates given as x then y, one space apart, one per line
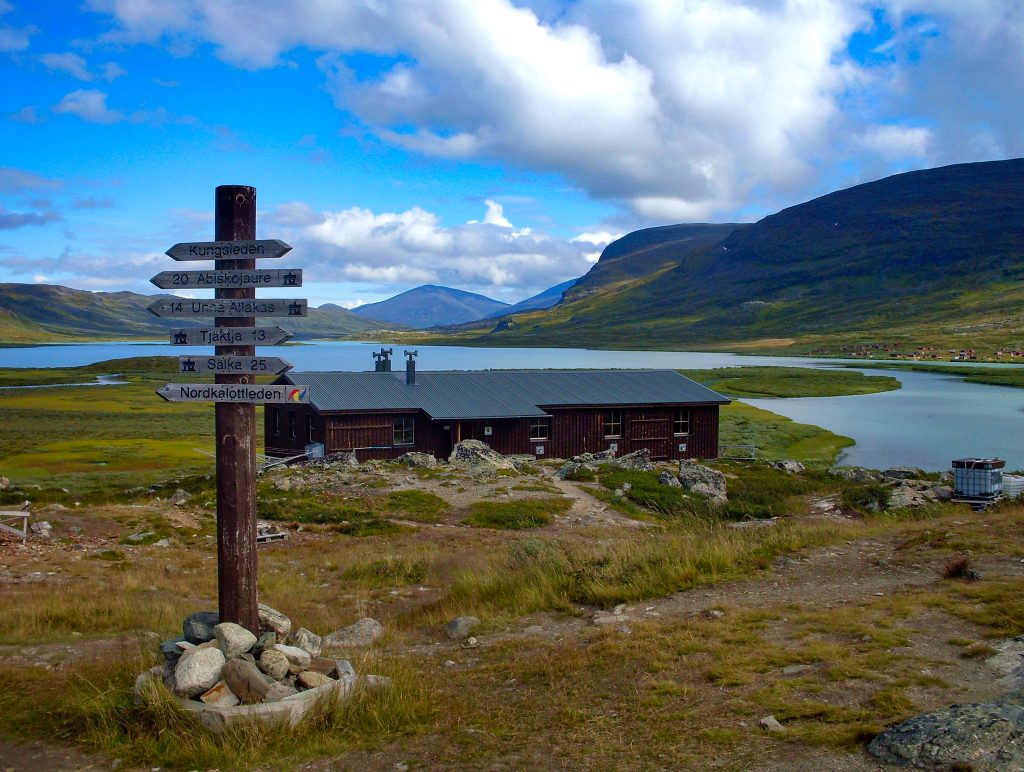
382 360
410 368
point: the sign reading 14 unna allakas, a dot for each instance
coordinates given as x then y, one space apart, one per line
182 307
228 308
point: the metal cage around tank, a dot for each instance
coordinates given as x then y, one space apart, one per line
978 478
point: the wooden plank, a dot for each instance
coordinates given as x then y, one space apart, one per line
233 364
243 249
233 392
191 307
229 336
277 277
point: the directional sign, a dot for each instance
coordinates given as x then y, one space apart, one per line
229 336
277 277
233 365
232 392
227 307
228 250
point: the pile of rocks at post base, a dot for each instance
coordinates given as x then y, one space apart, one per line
225 674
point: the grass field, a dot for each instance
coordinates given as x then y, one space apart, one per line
996 376
789 382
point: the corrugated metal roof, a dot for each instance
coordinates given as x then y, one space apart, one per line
463 394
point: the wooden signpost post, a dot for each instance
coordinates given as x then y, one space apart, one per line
235 365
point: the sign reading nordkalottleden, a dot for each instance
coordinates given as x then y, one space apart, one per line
232 392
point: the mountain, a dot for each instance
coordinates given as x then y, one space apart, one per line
545 299
646 252
431 306
45 312
934 256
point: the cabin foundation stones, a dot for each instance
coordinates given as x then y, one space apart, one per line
226 675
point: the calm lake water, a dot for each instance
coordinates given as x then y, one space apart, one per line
930 421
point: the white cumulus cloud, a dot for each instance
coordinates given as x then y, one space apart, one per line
89 105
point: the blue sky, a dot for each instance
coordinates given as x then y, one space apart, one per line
484 144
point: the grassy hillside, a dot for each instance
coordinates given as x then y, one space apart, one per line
44 313
929 257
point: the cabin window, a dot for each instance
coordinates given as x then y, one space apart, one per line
613 423
681 424
275 420
404 434
310 428
292 425
540 429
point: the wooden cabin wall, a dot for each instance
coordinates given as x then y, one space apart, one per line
572 431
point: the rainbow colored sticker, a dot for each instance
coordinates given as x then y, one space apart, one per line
297 395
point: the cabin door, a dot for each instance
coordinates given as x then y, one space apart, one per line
651 432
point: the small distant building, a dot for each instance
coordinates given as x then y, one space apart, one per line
546 413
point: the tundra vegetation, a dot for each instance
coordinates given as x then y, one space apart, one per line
838 621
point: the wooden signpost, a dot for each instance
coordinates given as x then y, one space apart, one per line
235 365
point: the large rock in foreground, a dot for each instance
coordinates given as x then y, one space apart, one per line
362 633
979 736
477 456
637 461
703 480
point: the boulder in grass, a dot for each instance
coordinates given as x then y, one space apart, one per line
198 671
461 627
233 639
637 461
309 641
669 479
476 456
703 480
198 627
987 735
362 633
789 467
415 459
274 621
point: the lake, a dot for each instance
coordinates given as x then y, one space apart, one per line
933 419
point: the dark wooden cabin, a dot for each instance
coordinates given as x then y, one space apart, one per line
546 413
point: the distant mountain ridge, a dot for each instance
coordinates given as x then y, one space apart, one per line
431 306
937 254
41 312
545 299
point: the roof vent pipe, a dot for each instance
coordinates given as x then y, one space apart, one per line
410 368
382 360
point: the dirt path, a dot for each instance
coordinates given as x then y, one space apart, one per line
588 510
